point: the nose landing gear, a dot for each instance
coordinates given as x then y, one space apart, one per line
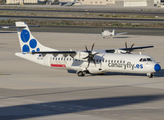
150 75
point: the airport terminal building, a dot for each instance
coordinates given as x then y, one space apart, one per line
20 1
114 3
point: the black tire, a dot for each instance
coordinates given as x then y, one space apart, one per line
150 76
80 73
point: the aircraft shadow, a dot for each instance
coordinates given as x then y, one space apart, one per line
157 74
120 37
71 106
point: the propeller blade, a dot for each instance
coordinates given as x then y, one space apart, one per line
95 54
92 46
132 45
126 44
94 61
86 57
86 48
88 63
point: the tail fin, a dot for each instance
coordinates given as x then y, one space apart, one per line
27 42
113 32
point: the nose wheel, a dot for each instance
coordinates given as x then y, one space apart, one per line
150 75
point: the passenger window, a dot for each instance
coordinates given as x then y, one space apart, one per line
111 61
61 58
97 60
123 61
58 58
108 60
67 59
120 61
114 61
70 59
117 61
105 60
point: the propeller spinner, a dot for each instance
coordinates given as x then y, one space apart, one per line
90 55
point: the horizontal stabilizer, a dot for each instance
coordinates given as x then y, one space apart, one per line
120 33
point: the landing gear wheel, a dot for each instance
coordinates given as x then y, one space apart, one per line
81 73
150 75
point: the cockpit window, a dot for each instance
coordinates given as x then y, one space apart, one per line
145 59
149 59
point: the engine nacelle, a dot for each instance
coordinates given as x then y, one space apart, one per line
120 51
80 55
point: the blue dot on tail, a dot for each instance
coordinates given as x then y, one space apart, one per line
38 49
25 48
33 43
25 35
33 50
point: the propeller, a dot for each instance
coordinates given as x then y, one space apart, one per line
90 55
102 30
128 51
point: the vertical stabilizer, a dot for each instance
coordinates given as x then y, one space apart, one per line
27 42
113 32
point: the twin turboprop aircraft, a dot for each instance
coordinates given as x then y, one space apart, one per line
107 33
87 61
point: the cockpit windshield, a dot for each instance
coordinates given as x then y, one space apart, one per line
145 59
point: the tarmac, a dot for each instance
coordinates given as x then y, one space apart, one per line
34 92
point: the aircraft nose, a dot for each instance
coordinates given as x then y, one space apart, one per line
157 67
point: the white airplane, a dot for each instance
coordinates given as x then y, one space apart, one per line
68 3
107 33
87 61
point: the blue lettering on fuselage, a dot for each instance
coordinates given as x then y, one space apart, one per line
127 65
139 66
122 65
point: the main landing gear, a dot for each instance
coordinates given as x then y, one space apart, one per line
150 75
81 73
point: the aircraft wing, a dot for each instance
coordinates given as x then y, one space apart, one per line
55 53
121 33
135 48
73 53
128 49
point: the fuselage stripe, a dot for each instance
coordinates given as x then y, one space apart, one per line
58 65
